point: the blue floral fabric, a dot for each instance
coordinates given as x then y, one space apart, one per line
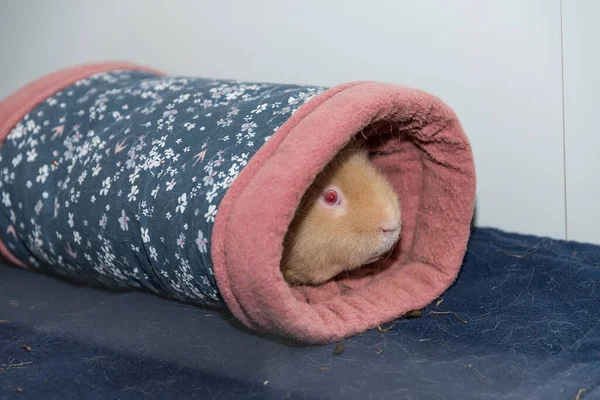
116 180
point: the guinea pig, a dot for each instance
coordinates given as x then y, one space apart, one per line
349 217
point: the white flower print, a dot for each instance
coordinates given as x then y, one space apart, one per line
134 176
96 170
169 113
248 127
124 221
82 177
145 235
43 174
260 108
211 213
171 184
182 203
181 240
132 196
212 193
153 253
77 237
71 223
18 132
201 242
209 179
31 125
130 163
38 207
105 187
6 199
103 221
31 155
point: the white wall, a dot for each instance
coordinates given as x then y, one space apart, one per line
497 63
582 106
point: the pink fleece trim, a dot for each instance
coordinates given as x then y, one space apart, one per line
429 163
17 105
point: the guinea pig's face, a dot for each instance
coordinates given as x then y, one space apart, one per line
360 211
352 218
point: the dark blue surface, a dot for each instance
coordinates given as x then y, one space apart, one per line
532 332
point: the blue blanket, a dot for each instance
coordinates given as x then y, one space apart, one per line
521 322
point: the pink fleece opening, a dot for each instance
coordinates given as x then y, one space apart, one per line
418 142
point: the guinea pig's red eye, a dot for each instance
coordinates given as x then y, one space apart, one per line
331 197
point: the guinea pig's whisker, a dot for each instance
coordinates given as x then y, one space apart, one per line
391 251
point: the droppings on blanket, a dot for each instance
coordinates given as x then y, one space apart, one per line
413 314
439 302
338 349
26 347
579 393
324 368
529 253
307 300
448 313
20 390
3 321
387 328
378 350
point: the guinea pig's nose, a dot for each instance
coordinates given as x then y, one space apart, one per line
390 228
